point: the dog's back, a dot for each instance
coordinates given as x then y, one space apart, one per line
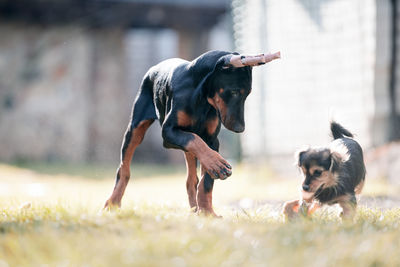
353 165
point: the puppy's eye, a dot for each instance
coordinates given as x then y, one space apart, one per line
235 93
317 173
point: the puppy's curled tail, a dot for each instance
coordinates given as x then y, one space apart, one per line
338 131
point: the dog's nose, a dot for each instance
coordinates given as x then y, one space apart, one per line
306 187
238 128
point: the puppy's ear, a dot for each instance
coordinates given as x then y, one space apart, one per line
336 160
299 156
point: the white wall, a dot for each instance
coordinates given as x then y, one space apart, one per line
326 71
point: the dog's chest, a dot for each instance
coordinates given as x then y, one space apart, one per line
201 124
206 127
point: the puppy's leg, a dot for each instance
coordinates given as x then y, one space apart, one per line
133 137
349 206
192 179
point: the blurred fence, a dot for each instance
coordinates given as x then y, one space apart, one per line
336 64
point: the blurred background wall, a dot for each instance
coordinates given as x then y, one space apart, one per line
70 70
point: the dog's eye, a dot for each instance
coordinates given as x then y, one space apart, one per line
317 173
235 93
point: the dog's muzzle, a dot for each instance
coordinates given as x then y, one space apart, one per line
238 128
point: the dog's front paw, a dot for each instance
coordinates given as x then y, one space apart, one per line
208 213
216 166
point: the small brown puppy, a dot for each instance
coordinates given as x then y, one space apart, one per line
334 174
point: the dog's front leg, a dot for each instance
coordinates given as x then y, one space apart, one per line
192 180
213 163
213 166
205 188
204 194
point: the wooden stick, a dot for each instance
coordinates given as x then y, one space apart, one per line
240 61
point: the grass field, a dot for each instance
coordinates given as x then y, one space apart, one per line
52 216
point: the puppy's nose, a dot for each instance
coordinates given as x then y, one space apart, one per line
306 187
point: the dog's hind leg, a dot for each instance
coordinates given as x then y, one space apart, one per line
133 137
192 179
143 115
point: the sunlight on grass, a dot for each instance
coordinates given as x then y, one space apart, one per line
153 235
57 220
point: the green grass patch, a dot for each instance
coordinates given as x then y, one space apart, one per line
60 222
162 235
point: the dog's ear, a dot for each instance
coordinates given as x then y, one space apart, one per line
336 160
206 64
299 156
203 67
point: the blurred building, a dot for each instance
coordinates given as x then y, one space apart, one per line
339 61
70 70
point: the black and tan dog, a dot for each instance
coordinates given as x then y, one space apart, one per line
331 175
190 100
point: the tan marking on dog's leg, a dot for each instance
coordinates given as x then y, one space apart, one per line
349 208
192 180
204 199
183 119
124 168
211 160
